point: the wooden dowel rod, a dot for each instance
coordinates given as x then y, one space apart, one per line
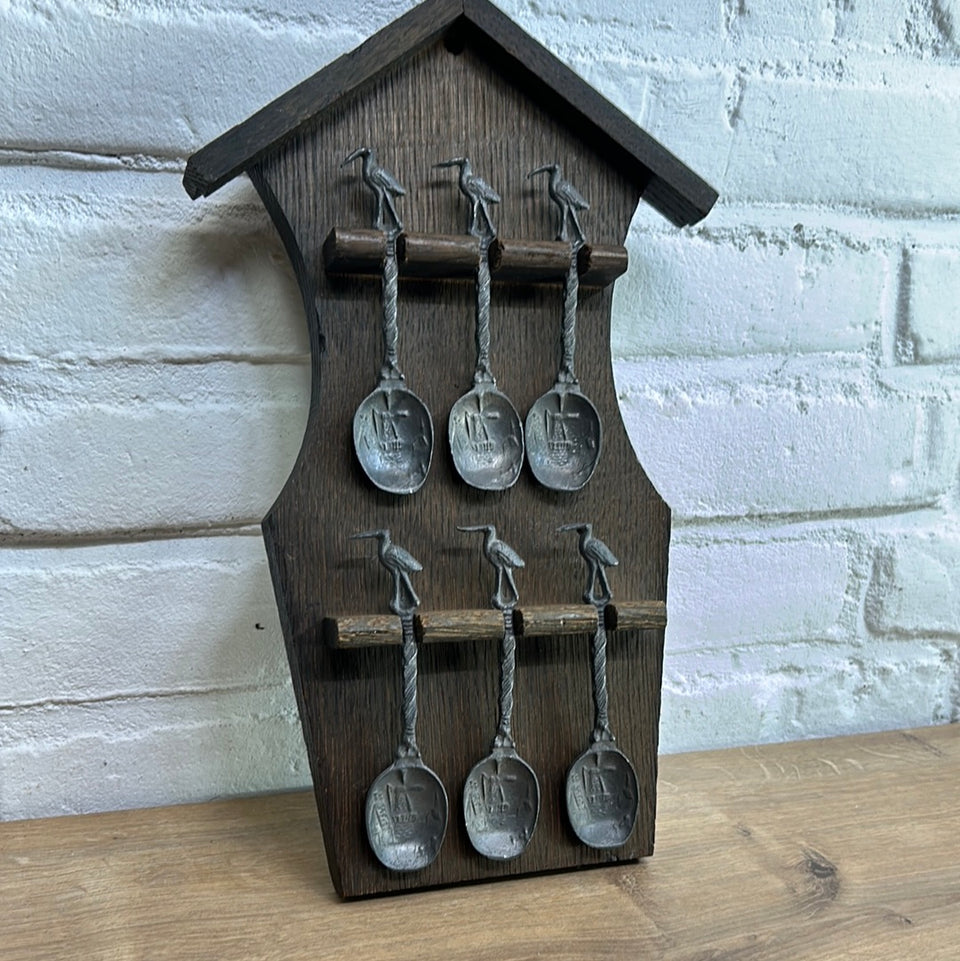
554 619
438 255
636 615
349 251
600 265
438 626
362 630
531 261
441 256
626 616
486 624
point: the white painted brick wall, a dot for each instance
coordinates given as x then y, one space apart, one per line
788 371
932 303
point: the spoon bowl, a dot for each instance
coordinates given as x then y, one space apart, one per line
406 815
501 804
602 796
563 438
486 438
393 438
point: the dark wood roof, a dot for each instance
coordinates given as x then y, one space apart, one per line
666 183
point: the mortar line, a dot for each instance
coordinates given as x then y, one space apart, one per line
33 540
91 160
119 697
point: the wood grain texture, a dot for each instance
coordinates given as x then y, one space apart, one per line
670 186
812 851
436 105
632 615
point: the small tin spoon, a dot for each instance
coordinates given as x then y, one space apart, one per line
484 429
392 428
501 796
406 810
563 428
602 791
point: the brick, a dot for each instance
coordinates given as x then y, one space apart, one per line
914 584
754 591
885 26
593 30
121 264
91 623
933 292
133 447
619 20
76 759
900 687
157 82
723 699
810 139
747 447
811 21
748 290
690 109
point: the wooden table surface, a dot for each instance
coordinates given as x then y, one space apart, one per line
843 848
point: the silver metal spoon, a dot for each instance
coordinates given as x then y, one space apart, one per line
501 796
484 429
602 790
407 808
563 429
392 428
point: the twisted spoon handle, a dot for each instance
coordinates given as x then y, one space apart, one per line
389 285
508 667
571 294
483 375
601 726
408 744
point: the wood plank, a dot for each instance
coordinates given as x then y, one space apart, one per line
812 851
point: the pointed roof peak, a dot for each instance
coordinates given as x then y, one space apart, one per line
665 182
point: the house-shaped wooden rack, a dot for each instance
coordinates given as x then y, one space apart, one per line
453 78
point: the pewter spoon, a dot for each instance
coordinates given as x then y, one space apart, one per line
562 428
602 791
406 810
501 796
484 429
392 428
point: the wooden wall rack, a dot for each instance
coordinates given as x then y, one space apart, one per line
457 77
